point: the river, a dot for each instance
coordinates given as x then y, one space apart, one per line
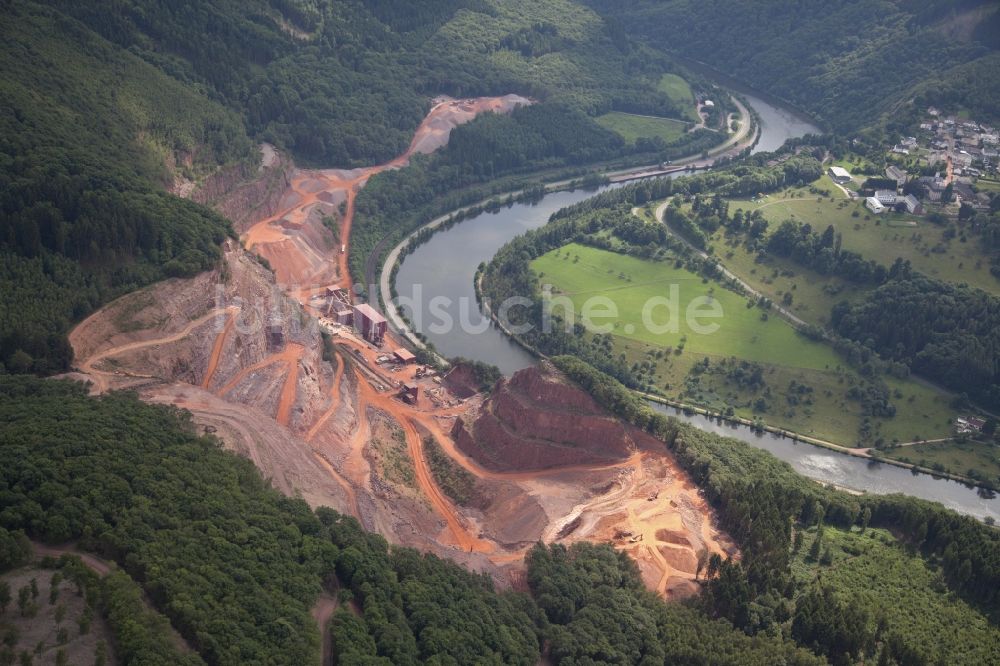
438 277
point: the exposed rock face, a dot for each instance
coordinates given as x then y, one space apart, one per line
243 193
538 420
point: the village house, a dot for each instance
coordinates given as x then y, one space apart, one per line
969 425
913 205
934 186
962 159
893 172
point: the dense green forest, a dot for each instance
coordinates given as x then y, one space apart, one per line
847 62
346 83
235 566
88 130
948 333
597 611
107 103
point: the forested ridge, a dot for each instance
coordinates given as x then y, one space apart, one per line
107 103
346 83
87 132
235 566
850 63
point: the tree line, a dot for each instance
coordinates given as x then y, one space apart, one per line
945 332
759 499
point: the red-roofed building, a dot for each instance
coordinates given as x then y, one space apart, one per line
404 356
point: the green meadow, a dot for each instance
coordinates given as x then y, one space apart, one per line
940 251
953 456
632 127
582 272
578 273
679 91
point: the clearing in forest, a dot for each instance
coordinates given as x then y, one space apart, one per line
632 127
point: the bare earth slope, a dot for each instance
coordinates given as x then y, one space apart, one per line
242 348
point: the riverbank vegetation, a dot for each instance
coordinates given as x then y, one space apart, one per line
755 364
765 505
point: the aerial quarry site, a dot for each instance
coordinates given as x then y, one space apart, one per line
528 332
345 422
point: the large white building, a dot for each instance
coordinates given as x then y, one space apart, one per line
872 204
840 175
886 197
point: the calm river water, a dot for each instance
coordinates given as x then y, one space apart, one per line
446 265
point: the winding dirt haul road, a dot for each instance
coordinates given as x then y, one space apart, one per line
297 245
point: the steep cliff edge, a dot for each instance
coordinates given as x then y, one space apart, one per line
537 420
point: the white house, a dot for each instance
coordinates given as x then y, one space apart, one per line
886 197
840 175
872 204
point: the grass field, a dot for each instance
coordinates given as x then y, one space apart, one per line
986 185
679 91
631 283
884 237
631 127
579 272
955 457
876 571
813 294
